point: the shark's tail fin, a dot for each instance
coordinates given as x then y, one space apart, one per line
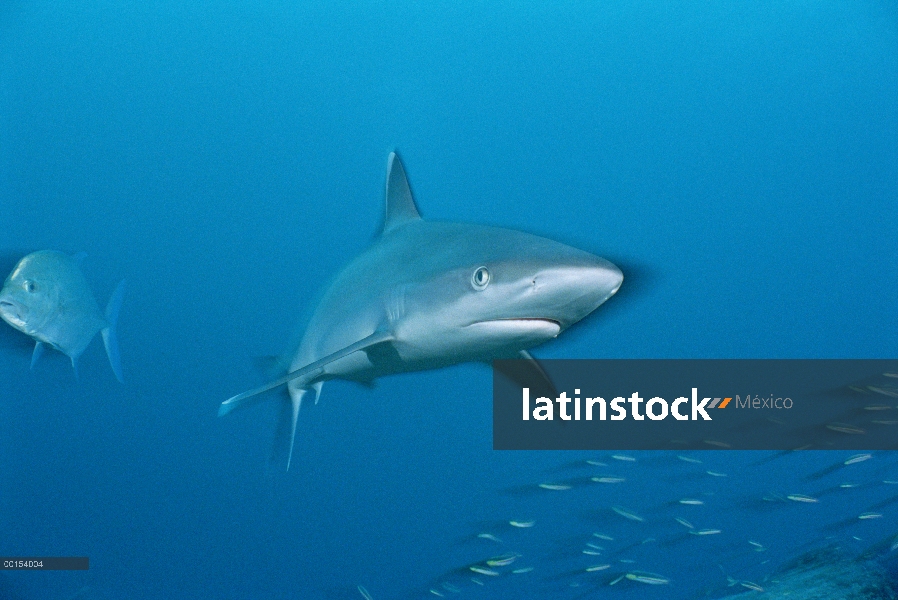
110 340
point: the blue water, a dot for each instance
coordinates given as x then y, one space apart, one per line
737 160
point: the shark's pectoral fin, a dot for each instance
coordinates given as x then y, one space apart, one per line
527 372
385 358
308 371
38 352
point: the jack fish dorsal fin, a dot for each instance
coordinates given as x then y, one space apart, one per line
400 204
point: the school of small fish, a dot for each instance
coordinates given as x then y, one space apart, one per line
609 542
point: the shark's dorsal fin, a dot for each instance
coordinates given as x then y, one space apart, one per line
400 203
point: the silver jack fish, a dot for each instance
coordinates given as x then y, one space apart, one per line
47 297
428 294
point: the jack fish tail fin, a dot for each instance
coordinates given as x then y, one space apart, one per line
110 340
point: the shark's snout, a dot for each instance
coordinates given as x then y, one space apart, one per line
570 292
606 279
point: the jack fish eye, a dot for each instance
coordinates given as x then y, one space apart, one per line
29 286
481 278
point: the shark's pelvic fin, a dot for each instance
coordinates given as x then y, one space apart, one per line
38 352
527 372
282 450
308 371
110 340
401 207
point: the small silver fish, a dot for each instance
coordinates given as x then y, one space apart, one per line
608 479
484 571
627 514
502 561
801 498
557 487
522 524
47 297
858 458
649 578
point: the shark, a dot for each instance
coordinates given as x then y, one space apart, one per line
429 294
48 298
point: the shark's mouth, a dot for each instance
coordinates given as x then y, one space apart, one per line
526 327
529 321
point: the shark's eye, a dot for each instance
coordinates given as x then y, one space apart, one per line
29 286
481 278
